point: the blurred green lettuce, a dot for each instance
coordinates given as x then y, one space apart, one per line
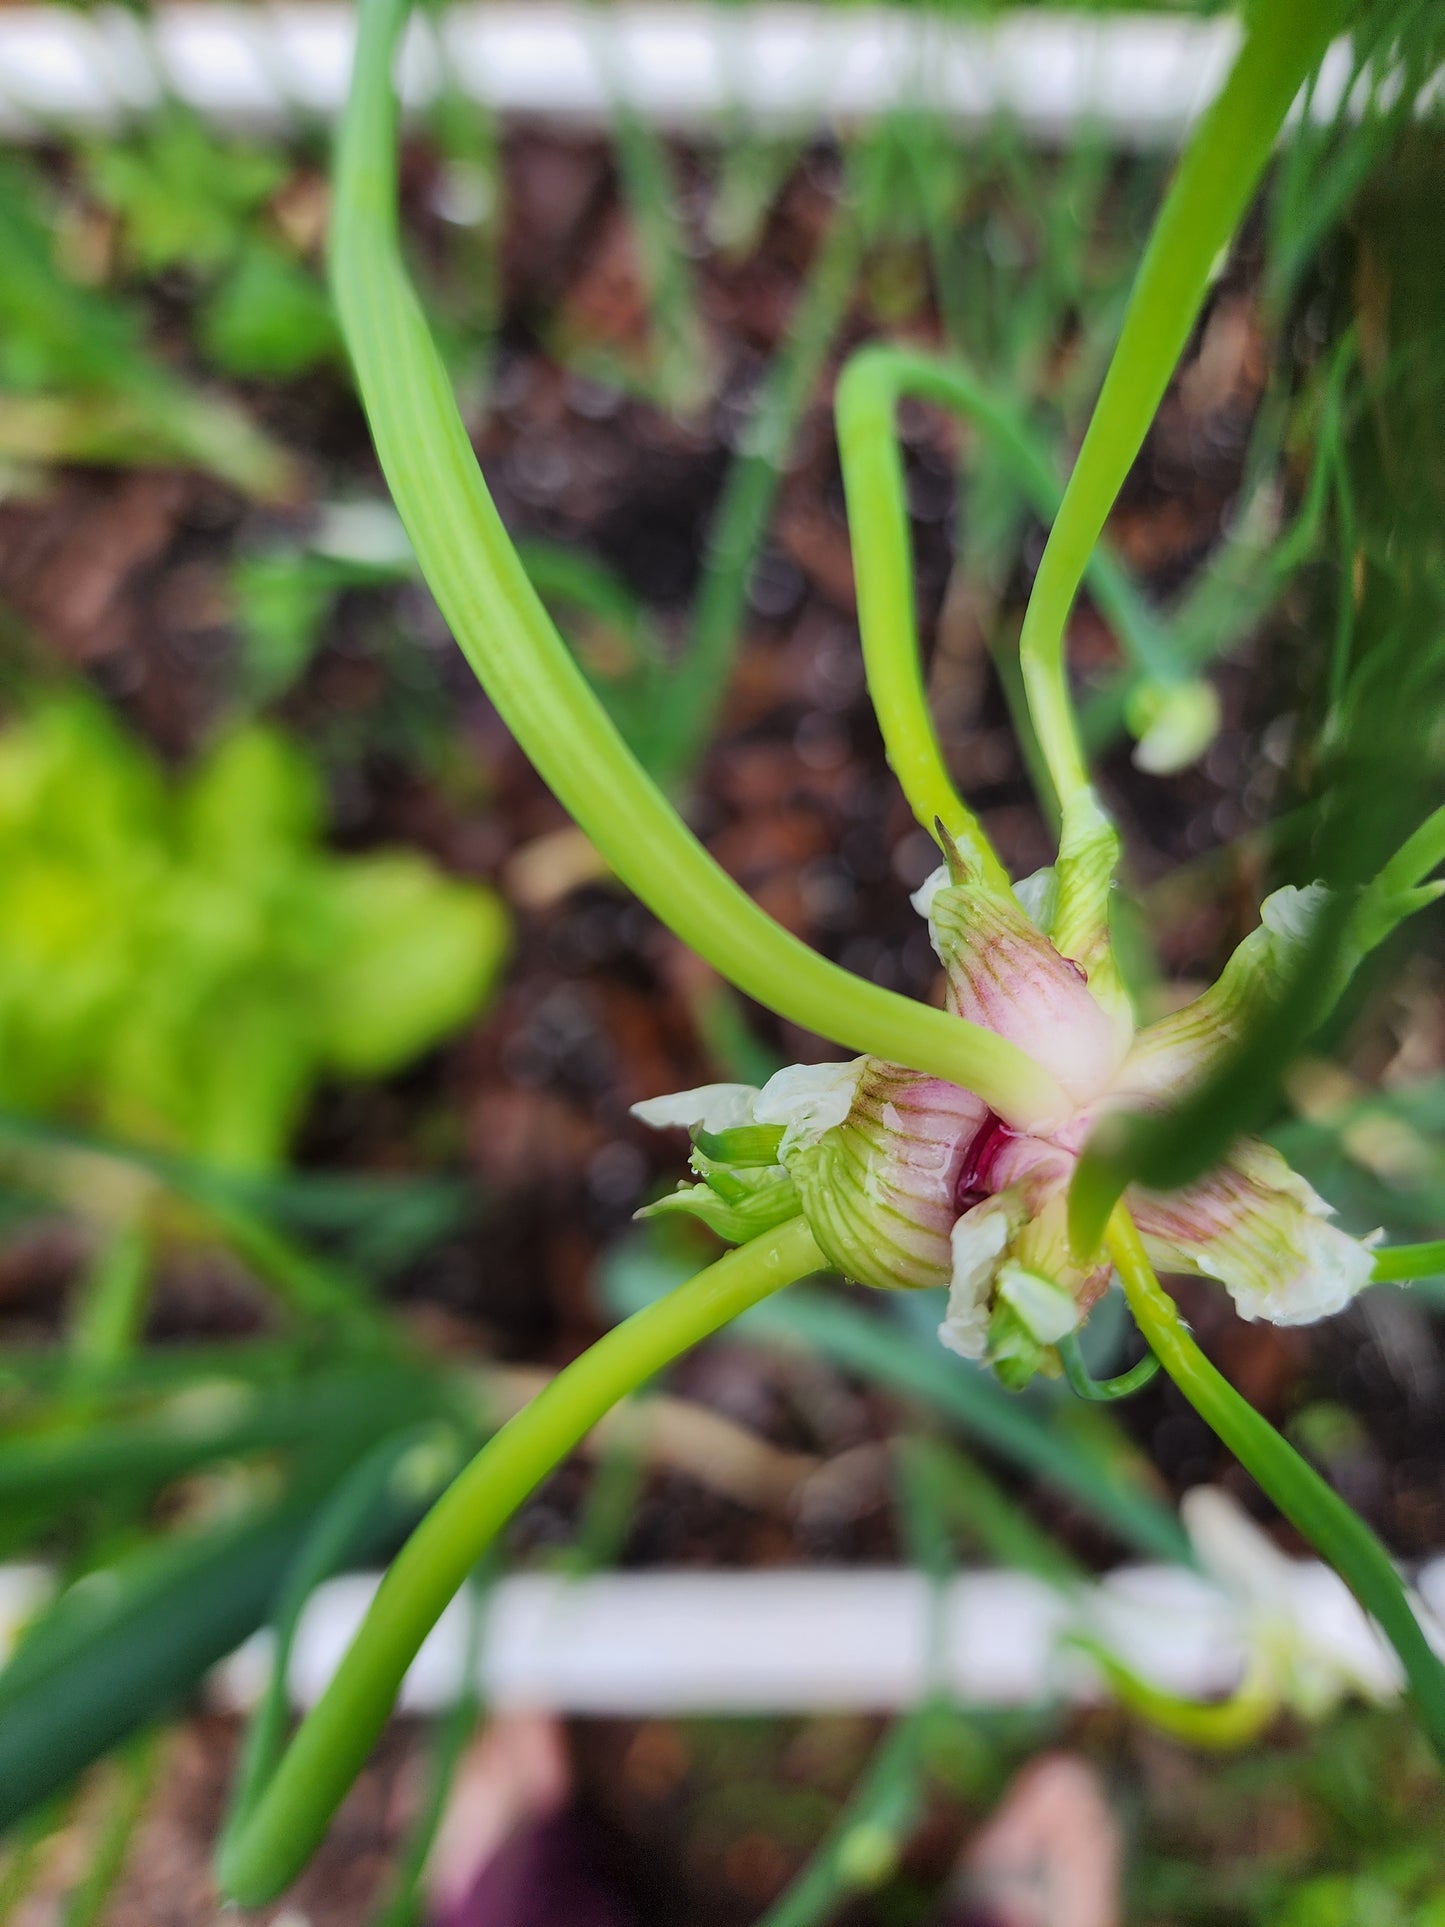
182 960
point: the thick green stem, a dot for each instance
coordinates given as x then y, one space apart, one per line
1336 1533
872 385
275 1840
1217 176
473 570
866 404
1400 1264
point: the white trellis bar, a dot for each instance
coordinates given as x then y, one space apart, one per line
869 1640
1139 79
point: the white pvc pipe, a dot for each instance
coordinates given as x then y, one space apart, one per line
1138 78
869 1640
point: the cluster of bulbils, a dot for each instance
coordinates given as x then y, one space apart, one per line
907 1180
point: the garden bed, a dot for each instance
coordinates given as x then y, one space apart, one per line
151 582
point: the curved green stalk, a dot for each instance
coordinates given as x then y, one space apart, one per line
1103 1391
1336 1532
482 589
1400 1264
871 386
873 483
1220 168
280 1832
1212 1725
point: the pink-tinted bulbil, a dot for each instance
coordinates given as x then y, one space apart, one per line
907 1180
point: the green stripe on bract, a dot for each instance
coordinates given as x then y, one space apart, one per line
880 1190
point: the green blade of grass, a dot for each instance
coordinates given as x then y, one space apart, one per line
137 1646
331 1409
865 1844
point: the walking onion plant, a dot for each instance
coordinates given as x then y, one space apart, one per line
993 1146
